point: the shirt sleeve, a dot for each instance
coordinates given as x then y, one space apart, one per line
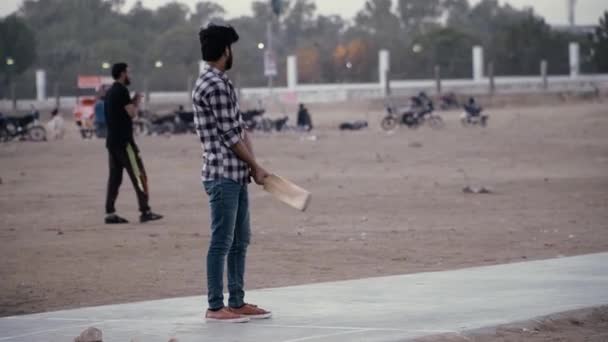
226 115
125 98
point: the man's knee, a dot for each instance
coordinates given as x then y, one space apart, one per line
240 245
220 245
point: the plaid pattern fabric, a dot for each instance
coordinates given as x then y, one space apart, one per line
218 123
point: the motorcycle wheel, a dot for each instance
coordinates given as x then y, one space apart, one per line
4 135
389 123
142 127
436 122
484 121
36 133
167 128
411 121
266 125
11 129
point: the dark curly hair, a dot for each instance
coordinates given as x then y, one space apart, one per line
214 40
118 69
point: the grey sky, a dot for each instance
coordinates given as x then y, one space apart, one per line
588 11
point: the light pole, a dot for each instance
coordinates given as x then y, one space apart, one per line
10 62
105 65
157 65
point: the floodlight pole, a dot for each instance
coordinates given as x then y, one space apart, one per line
270 52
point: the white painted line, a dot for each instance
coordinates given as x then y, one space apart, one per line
7 338
326 335
287 326
433 331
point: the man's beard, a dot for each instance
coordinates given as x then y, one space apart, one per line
229 61
127 81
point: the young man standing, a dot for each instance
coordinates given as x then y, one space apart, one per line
228 164
120 110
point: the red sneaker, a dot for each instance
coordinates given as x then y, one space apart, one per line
251 311
224 315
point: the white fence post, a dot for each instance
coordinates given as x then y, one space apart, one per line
478 63
292 72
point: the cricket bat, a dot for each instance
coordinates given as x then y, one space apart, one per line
287 192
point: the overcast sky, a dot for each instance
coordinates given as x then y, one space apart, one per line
588 11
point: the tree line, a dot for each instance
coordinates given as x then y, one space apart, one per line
71 37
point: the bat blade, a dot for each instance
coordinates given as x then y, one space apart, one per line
287 192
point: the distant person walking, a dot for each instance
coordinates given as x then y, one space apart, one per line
123 152
100 115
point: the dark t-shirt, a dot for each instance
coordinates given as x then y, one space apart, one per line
120 125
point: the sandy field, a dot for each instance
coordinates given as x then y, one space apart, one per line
382 204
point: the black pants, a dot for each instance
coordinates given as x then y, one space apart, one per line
127 158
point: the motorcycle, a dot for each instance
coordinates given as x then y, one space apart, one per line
255 121
411 117
469 120
26 127
449 101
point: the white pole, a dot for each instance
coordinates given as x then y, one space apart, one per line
477 63
384 67
40 85
292 72
574 60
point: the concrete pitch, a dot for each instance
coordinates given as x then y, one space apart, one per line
379 309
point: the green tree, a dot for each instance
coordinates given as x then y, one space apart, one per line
17 49
377 27
17 42
419 15
206 12
457 12
298 21
446 47
600 44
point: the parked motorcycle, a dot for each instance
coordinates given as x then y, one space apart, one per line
449 101
468 120
411 117
473 114
25 127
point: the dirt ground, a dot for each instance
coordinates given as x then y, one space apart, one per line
589 325
382 204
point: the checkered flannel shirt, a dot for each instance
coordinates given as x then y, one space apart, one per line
218 124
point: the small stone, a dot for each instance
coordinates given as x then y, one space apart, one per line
59 232
89 335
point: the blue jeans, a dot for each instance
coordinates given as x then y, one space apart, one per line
230 235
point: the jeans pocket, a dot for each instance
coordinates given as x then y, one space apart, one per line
212 188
